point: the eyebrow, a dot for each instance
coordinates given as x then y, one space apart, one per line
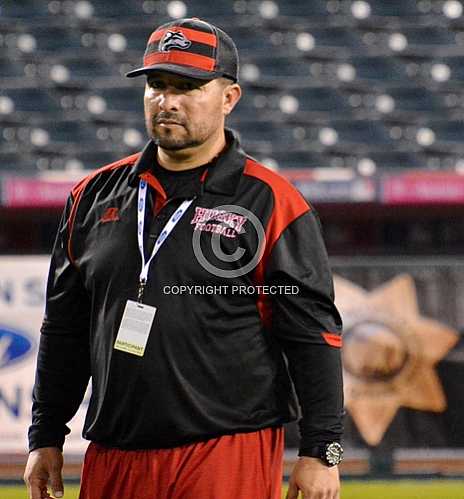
198 83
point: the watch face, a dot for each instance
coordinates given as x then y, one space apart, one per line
333 453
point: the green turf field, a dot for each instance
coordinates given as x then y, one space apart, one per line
424 489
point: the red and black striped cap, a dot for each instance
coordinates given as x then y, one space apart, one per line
190 47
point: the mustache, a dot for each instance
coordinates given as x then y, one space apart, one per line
167 116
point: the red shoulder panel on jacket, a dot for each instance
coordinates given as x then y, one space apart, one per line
79 188
289 204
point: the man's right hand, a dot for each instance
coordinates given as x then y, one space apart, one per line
43 468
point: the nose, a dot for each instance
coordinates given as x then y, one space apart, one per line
168 100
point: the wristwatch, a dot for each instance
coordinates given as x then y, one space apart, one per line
331 453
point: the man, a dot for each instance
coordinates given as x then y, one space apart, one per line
189 389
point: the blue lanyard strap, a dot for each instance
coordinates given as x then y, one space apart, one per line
168 228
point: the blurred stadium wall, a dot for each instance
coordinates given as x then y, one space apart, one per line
359 103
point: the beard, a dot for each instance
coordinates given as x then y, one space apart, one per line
172 139
169 142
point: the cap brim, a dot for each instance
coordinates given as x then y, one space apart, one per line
177 70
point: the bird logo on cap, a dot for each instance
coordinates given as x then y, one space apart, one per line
174 40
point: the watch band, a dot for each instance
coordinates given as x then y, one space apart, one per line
330 453
311 451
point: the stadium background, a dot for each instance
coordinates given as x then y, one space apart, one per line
359 103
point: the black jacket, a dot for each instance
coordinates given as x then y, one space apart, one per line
214 363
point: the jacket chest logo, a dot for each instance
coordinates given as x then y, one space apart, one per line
110 215
221 222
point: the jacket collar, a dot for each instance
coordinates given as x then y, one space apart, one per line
224 172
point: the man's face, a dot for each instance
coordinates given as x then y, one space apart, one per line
183 112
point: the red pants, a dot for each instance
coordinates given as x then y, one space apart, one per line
241 466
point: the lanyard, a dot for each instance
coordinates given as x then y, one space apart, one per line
172 222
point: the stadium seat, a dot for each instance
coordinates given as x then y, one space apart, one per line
134 39
261 130
17 163
23 10
8 135
54 39
397 159
127 137
255 104
360 134
257 42
399 9
10 69
318 99
278 70
116 9
76 159
383 71
216 11
411 43
335 37
267 135
305 40
91 160
30 101
447 136
118 104
280 9
82 70
68 134
296 159
16 136
415 101
425 40
442 160
446 69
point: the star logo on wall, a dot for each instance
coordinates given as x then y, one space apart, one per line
389 355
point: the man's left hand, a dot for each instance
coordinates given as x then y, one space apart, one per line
314 479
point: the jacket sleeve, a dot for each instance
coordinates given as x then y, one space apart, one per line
308 327
63 366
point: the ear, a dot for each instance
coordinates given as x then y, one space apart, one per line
231 96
